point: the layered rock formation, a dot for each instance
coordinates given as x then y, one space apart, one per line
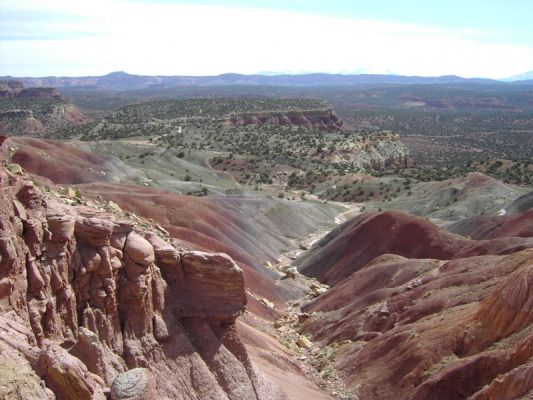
39 119
34 111
17 89
313 119
94 303
86 297
251 230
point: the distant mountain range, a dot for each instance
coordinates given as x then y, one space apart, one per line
124 81
526 77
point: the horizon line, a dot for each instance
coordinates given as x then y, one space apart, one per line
275 74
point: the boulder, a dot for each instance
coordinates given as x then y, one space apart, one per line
303 342
114 206
135 384
93 232
215 283
139 249
164 252
67 376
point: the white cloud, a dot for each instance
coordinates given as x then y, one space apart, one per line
97 37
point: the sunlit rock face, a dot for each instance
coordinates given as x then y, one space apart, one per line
86 297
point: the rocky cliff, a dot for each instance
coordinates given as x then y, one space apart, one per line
34 111
15 89
313 119
92 306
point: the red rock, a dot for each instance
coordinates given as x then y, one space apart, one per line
139 249
161 332
508 309
215 283
98 358
515 384
319 119
117 300
61 226
67 376
18 379
164 252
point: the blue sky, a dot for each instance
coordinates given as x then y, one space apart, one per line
512 17
68 37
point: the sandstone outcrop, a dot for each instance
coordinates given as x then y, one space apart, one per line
313 119
34 111
93 298
17 89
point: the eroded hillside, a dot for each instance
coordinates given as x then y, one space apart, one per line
110 286
180 250
87 296
414 312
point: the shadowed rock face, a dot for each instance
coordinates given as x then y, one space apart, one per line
93 298
432 316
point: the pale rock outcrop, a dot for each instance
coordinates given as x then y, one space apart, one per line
135 384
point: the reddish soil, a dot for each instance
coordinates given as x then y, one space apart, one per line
443 317
491 227
60 162
413 311
90 298
351 246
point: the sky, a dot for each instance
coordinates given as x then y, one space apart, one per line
470 38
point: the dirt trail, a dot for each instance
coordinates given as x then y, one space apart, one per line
354 209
